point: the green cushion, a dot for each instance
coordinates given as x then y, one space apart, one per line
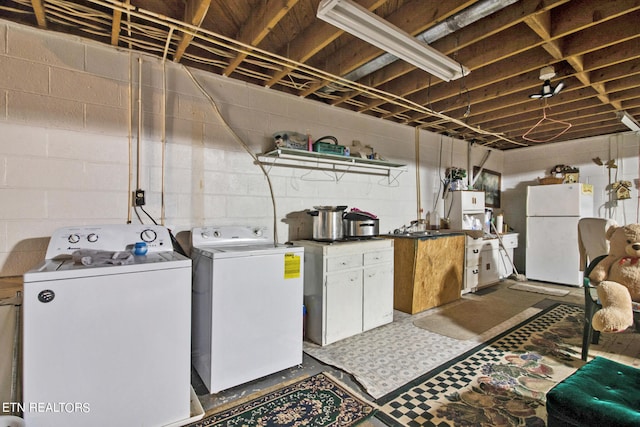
600 393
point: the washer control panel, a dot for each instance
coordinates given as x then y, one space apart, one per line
111 237
229 235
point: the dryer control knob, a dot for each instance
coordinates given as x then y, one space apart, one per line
257 232
73 238
93 237
216 233
205 235
148 235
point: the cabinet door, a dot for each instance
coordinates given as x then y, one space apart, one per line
377 297
489 270
472 201
344 305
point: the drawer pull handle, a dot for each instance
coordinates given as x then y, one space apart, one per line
475 251
475 271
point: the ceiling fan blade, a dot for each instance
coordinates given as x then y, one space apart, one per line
535 96
558 88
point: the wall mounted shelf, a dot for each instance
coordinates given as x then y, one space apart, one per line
331 162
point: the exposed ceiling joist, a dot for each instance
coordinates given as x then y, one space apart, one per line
593 46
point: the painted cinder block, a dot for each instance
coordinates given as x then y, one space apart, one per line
45 47
84 87
45 111
12 76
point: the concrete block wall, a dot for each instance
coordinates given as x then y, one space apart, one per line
70 152
523 167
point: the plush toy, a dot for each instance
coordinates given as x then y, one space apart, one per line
619 279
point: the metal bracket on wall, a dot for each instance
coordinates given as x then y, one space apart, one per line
338 165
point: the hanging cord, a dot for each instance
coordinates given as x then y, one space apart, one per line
638 197
130 137
463 89
243 145
440 178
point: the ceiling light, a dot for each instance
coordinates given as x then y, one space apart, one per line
629 121
547 91
356 20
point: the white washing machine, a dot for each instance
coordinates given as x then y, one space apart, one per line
247 305
106 339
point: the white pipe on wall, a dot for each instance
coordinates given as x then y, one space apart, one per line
418 199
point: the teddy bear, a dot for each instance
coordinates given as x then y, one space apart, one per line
618 279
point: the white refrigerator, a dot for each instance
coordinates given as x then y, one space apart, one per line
553 212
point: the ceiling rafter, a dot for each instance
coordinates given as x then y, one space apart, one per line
594 47
497 22
194 13
39 12
312 41
258 26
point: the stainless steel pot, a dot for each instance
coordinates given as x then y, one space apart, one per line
327 222
360 225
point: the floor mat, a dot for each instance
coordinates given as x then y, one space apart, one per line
501 382
475 314
314 401
539 289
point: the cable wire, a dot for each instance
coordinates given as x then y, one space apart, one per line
243 145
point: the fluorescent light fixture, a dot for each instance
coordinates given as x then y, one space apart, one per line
629 121
356 20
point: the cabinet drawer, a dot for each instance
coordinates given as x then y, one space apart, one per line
510 240
473 256
344 262
473 242
472 276
378 257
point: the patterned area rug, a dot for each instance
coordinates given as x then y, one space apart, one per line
315 401
502 382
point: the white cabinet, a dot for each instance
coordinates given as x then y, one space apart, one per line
348 287
461 203
486 262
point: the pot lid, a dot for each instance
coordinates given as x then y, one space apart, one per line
330 208
358 216
356 213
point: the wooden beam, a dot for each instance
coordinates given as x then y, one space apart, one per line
194 13
259 26
38 9
313 40
115 25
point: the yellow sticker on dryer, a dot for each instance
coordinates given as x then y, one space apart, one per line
291 266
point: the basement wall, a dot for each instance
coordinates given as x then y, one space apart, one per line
522 167
68 152
69 149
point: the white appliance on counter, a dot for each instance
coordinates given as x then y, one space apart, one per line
553 212
106 340
247 305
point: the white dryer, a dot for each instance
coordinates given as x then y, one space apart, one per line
247 305
106 339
